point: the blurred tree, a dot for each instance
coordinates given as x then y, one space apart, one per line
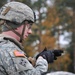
72 5
53 20
60 65
28 2
67 23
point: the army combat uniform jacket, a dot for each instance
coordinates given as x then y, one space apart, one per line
14 62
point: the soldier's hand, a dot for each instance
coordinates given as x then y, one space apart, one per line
47 54
32 60
50 55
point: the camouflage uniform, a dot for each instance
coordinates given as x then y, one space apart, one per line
12 58
14 62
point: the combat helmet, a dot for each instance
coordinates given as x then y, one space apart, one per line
16 13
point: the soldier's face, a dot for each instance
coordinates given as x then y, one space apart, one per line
27 30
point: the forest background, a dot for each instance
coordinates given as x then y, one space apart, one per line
54 18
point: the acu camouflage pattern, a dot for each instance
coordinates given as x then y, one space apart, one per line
16 12
12 65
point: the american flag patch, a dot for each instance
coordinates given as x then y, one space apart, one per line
18 53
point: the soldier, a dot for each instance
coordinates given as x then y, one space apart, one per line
16 19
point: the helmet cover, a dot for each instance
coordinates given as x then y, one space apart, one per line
16 12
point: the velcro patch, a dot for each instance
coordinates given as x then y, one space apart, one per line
18 53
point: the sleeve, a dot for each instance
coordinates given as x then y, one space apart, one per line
40 67
21 66
41 64
26 68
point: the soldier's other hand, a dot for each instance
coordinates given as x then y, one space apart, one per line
32 60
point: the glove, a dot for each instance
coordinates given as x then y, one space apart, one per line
50 55
47 54
57 53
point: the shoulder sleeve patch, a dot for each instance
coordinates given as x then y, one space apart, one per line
18 53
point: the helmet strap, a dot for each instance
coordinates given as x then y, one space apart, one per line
12 29
21 38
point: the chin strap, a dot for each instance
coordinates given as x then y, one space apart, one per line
12 29
21 38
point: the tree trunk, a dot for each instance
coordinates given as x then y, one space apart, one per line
73 37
